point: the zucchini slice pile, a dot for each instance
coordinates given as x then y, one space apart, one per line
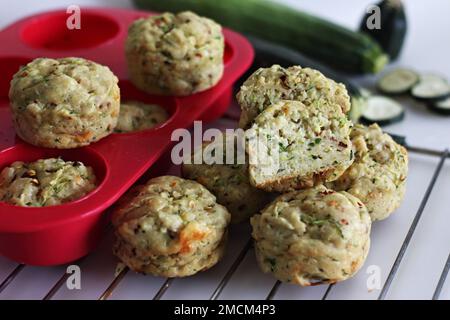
432 89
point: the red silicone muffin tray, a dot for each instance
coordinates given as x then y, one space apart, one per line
61 234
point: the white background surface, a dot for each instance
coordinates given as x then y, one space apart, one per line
427 49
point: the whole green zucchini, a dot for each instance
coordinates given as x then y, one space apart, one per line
393 23
320 39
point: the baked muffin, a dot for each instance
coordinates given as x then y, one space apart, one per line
136 116
293 146
46 182
64 103
175 54
378 175
170 227
267 86
229 182
313 236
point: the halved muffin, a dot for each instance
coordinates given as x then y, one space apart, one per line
293 146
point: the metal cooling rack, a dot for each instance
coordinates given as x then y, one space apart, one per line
272 294
266 55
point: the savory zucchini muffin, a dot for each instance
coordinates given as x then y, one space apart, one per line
46 182
229 182
269 85
293 146
378 175
170 227
136 116
64 103
313 236
175 54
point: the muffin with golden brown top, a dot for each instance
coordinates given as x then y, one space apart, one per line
267 86
170 227
175 54
314 236
378 175
64 103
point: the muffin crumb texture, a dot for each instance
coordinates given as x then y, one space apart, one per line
293 146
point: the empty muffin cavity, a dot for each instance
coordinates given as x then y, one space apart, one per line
51 32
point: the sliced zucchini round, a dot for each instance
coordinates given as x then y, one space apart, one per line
431 88
382 110
398 81
441 107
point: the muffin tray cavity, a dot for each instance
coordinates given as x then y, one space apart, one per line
61 234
